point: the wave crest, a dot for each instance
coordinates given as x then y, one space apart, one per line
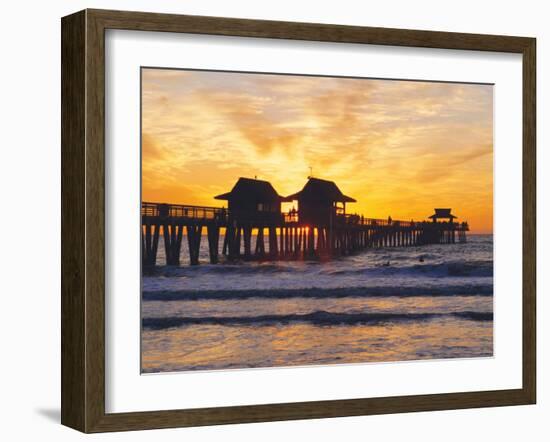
319 318
318 292
456 268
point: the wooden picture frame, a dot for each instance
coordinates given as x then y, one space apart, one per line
83 220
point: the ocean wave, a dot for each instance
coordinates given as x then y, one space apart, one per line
319 318
456 269
238 268
392 265
343 292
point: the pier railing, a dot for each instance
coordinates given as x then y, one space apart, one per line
197 213
362 221
163 210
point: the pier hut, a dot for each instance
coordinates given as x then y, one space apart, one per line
442 214
253 205
447 234
322 215
320 202
253 199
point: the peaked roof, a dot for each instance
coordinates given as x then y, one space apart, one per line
251 189
442 213
317 189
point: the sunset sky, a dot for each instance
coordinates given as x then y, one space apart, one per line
399 148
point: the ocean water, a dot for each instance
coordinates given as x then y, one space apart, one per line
389 304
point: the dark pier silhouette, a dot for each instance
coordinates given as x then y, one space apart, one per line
253 227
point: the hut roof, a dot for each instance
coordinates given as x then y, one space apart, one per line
321 190
251 189
442 213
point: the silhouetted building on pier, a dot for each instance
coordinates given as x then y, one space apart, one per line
320 202
442 214
253 199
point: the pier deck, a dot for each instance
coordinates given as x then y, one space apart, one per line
268 235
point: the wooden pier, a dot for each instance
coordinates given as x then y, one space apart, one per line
273 235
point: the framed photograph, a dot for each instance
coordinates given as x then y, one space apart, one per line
269 220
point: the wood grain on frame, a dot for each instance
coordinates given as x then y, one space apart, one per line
83 219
